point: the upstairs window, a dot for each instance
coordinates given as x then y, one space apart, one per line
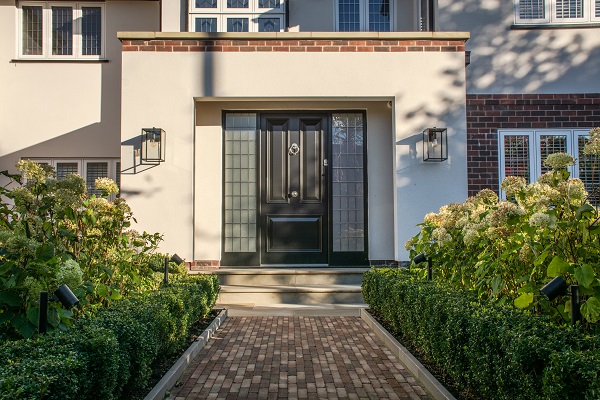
61 30
556 12
364 15
237 15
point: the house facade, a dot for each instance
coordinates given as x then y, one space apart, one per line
291 132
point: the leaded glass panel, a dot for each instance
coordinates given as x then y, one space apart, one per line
91 31
268 3
531 9
65 168
62 31
349 15
269 24
237 24
237 3
240 183
550 144
205 25
206 3
95 170
32 30
348 182
379 16
516 156
569 8
589 171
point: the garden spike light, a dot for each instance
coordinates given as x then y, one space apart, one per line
557 287
422 258
62 294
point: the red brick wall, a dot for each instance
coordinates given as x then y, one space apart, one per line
486 113
317 45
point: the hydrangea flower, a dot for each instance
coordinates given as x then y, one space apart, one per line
540 220
107 185
513 185
558 161
70 274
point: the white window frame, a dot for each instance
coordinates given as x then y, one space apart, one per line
221 13
67 160
47 30
364 15
535 160
550 7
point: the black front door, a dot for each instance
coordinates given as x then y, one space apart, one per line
294 207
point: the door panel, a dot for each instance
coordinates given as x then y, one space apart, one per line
294 209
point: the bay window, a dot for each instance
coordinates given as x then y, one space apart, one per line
237 15
364 15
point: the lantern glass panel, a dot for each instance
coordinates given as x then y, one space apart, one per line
153 145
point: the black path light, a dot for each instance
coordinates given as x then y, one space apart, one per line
558 287
420 258
62 294
174 258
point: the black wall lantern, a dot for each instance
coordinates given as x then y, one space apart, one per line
435 144
153 146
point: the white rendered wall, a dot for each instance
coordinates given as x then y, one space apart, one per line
67 109
427 90
504 60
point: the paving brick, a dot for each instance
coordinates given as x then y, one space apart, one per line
296 358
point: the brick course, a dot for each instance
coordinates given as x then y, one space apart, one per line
317 45
486 113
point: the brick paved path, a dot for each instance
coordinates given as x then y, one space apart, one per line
296 358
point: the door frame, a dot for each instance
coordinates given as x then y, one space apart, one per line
334 258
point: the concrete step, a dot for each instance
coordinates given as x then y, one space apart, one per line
303 289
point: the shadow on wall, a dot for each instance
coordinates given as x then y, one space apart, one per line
505 60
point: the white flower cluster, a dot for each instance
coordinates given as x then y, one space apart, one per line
107 185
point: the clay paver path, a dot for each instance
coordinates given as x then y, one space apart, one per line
296 358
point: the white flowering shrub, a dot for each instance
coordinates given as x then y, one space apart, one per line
52 233
507 250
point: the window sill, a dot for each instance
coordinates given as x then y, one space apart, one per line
556 26
56 60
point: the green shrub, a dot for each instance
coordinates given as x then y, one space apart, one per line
108 355
497 351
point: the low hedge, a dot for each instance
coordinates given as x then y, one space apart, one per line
108 355
495 351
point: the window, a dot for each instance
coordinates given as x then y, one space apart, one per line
89 169
556 11
522 153
364 15
61 30
237 15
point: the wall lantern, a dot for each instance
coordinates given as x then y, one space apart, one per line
62 294
435 144
558 287
153 146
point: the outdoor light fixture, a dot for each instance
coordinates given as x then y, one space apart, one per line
435 144
62 294
153 146
422 258
174 258
558 287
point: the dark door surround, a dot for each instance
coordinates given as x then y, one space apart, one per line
296 229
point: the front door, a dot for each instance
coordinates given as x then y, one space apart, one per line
294 191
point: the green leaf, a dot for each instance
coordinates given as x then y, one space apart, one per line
585 275
45 252
590 310
584 211
526 289
33 315
10 299
594 229
115 295
524 300
541 258
102 290
558 267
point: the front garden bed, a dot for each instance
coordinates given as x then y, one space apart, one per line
496 352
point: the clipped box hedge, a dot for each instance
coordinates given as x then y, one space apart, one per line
108 355
496 351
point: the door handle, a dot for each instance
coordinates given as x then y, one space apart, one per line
294 194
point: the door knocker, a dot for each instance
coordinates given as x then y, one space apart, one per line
294 149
